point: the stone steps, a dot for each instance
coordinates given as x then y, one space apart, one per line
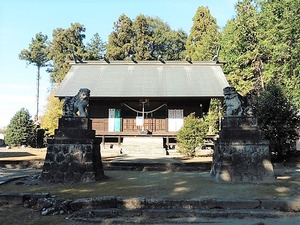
164 210
143 210
159 166
172 216
143 145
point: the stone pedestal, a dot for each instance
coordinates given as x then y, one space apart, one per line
241 155
73 155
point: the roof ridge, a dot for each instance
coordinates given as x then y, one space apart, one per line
152 62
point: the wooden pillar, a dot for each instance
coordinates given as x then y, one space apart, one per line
103 141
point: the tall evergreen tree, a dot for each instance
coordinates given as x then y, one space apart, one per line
65 43
95 49
176 45
280 44
241 51
168 43
142 38
204 36
37 54
120 39
160 33
145 38
21 130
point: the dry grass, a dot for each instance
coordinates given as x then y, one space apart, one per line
178 185
182 185
175 185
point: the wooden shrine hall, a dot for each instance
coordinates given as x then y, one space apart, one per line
145 98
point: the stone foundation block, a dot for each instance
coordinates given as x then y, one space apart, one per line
73 155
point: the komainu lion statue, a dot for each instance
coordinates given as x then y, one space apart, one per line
77 105
232 102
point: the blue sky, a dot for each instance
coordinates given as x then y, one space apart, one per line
20 20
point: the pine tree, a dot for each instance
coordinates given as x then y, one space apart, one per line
204 36
21 129
37 54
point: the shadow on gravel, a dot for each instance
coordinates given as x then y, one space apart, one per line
168 185
165 178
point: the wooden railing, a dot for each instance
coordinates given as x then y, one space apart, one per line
129 125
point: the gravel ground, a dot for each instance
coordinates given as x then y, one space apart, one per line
143 184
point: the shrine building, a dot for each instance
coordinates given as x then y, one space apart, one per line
144 98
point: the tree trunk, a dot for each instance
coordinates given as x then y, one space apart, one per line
37 93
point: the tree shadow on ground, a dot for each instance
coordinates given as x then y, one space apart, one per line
15 154
166 184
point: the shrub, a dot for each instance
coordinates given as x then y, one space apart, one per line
278 119
191 135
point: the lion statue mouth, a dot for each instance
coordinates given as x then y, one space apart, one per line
77 105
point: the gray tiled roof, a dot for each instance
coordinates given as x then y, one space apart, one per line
145 79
